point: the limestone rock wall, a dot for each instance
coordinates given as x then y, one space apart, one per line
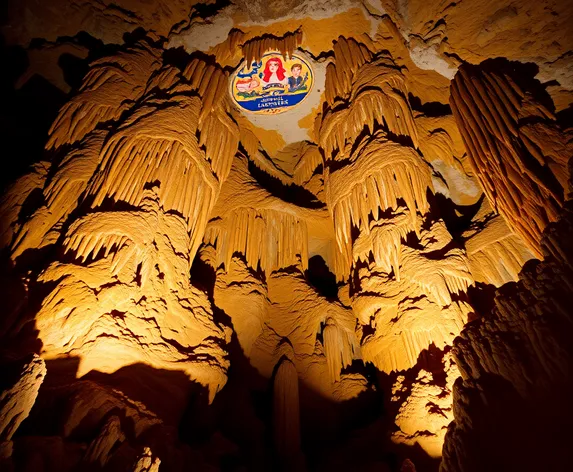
333 287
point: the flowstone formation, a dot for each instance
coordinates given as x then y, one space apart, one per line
365 266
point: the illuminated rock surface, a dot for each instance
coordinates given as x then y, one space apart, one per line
376 279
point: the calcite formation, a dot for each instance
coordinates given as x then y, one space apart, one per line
516 148
424 416
377 278
17 399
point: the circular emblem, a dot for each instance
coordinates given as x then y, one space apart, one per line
272 85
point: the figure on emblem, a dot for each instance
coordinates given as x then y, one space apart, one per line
296 82
274 73
248 84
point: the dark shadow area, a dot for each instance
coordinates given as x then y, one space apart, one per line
26 114
203 276
242 410
152 387
149 405
482 297
565 117
504 426
321 279
429 109
457 218
207 9
523 74
288 193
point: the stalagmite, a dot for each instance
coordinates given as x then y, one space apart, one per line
516 149
513 360
146 462
286 416
100 449
238 287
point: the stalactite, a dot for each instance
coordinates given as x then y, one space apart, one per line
496 254
286 416
376 94
349 56
210 81
158 143
441 279
163 79
269 239
62 194
14 198
405 327
249 139
219 135
384 241
229 51
253 149
381 173
218 132
440 139
337 348
308 162
254 49
414 310
524 177
111 87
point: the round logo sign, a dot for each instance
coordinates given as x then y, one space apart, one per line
272 85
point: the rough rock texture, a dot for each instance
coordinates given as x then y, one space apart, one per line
425 415
518 359
474 32
105 20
